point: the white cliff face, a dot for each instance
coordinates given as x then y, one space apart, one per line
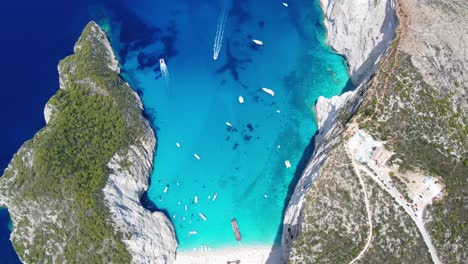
48 112
151 237
360 30
331 116
148 236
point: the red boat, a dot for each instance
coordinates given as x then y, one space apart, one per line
235 228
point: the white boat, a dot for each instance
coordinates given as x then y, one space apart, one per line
178 203
185 207
195 199
165 189
228 124
196 156
258 42
278 111
269 91
215 196
241 99
183 218
174 216
193 232
288 164
285 4
177 144
209 197
202 216
266 196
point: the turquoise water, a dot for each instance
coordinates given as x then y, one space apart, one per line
244 164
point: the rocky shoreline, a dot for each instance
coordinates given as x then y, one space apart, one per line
148 237
362 44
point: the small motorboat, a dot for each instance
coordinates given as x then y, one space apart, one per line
258 42
269 91
202 216
235 228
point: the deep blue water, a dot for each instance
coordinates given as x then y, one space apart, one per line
7 253
35 36
201 97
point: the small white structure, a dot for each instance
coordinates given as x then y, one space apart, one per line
380 155
285 4
287 164
228 124
241 99
177 144
196 156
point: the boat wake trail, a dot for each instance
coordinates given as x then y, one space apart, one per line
218 42
164 71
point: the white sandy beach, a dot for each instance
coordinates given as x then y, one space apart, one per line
246 254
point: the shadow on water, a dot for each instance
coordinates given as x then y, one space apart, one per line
349 86
301 166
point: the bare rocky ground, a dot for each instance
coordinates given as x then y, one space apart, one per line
334 226
395 236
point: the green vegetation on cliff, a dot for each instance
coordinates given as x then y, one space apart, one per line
58 176
428 131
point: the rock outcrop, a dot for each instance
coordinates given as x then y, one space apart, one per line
415 101
360 30
151 235
73 191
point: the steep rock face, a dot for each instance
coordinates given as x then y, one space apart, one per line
73 190
416 103
360 30
332 117
151 235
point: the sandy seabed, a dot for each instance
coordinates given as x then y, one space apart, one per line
245 254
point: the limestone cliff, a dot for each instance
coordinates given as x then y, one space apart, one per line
362 44
415 102
73 190
360 30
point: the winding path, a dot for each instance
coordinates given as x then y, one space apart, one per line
417 218
369 214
